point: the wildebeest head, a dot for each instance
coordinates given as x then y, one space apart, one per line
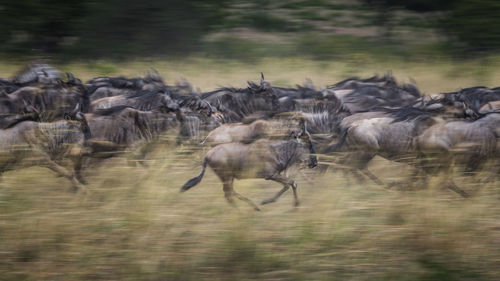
72 80
305 138
168 104
77 115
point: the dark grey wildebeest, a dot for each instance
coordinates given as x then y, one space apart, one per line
236 104
143 100
360 95
37 73
263 158
101 87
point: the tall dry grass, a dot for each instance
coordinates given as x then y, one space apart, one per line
135 225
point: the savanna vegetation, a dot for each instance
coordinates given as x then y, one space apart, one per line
135 225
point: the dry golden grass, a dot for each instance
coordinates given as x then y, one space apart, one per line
135 225
208 74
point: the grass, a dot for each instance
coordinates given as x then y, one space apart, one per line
135 225
432 76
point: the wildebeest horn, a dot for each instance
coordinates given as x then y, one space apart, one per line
261 79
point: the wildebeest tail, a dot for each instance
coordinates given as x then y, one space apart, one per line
194 181
338 146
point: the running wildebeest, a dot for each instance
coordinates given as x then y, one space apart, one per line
278 128
37 73
142 100
263 158
466 143
361 95
121 129
101 87
52 101
236 104
388 133
31 143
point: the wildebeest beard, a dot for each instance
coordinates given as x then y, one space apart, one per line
288 153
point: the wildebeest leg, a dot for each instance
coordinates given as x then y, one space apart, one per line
228 190
58 169
295 196
243 198
286 185
372 177
77 185
78 164
448 181
451 185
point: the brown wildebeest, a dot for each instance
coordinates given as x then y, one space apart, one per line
31 143
247 133
466 143
264 158
388 133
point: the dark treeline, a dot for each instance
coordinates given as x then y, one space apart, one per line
109 27
115 28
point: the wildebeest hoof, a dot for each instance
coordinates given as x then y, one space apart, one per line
297 203
256 208
267 201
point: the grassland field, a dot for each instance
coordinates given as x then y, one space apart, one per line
135 225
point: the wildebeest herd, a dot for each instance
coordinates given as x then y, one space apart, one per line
256 132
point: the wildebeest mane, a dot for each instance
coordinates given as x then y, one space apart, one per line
407 113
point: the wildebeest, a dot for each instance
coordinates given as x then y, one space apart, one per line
263 158
235 104
388 133
278 128
52 101
101 87
142 100
122 129
31 143
466 143
37 73
360 95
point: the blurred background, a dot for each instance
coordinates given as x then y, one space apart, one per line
247 30
135 225
460 36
